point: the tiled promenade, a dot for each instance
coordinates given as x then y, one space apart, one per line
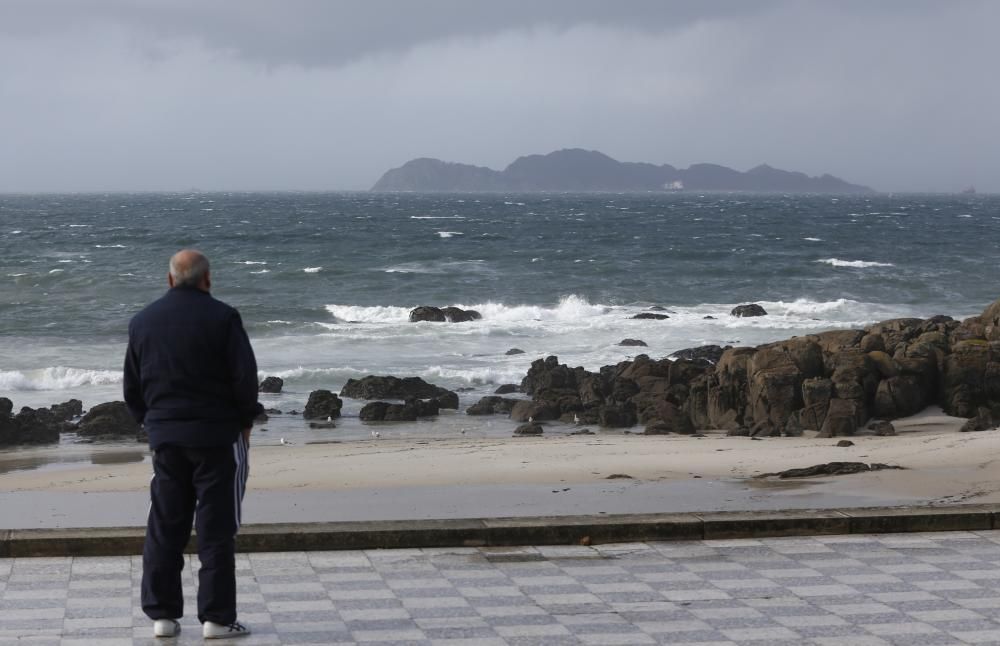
859 590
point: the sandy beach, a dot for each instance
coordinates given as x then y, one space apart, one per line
544 475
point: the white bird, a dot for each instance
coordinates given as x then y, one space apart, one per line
376 434
329 418
576 418
285 442
530 419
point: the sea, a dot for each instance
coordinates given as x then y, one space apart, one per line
325 283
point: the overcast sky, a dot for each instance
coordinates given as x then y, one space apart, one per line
327 94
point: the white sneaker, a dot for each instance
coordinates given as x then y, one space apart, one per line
166 628
212 630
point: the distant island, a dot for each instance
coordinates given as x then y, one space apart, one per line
577 170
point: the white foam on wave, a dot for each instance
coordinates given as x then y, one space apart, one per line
858 264
437 217
475 376
312 270
569 308
56 378
449 234
813 239
250 262
262 271
110 246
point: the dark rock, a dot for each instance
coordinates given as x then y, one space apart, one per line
708 317
899 397
491 405
322 404
272 411
261 418
845 443
407 412
110 419
514 351
583 431
633 342
619 476
458 315
751 309
506 389
374 387
622 416
704 353
882 427
271 385
829 469
525 411
426 313
741 431
375 412
6 406
670 418
531 428
656 308
318 425
841 419
66 411
650 316
983 421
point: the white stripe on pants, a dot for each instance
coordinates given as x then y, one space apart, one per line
241 450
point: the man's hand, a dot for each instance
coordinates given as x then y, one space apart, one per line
246 435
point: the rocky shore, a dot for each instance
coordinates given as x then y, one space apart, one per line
838 383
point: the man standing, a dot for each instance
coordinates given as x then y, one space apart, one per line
191 381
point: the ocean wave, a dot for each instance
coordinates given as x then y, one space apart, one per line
813 239
110 246
858 264
312 270
56 378
569 308
449 234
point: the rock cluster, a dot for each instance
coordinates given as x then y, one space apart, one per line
443 314
832 382
374 387
36 426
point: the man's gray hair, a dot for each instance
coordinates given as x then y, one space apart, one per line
188 267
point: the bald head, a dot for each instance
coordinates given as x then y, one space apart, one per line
189 268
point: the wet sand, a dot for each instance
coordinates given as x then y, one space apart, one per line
452 478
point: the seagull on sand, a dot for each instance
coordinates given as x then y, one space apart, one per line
531 419
576 418
285 442
376 435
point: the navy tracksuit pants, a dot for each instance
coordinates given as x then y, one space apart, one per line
205 485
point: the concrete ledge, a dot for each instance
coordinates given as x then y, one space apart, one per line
553 530
563 530
105 541
801 522
922 519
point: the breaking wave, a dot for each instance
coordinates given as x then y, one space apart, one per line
56 378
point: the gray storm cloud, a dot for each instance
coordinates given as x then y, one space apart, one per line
161 94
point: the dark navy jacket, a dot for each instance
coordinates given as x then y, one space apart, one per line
190 373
